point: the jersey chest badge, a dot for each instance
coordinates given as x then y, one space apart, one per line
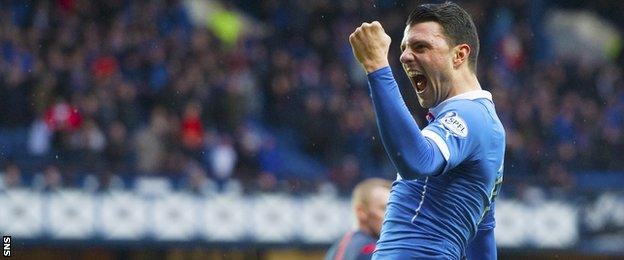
454 124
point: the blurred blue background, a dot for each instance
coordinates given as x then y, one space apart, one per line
156 125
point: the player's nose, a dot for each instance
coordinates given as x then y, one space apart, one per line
407 57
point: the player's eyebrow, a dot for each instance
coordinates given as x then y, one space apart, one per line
414 43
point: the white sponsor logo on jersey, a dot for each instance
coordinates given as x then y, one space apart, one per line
455 124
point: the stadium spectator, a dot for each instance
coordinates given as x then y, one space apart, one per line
11 178
196 180
50 180
192 129
117 152
109 181
151 143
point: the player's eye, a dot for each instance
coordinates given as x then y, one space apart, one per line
420 48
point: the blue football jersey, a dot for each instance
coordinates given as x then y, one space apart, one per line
433 216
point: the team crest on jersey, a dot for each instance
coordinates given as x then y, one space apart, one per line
455 124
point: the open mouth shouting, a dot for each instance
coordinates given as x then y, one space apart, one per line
418 80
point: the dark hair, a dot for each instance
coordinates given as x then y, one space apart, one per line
455 21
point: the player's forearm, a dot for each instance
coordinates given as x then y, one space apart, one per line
412 154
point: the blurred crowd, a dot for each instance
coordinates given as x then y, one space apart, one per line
102 91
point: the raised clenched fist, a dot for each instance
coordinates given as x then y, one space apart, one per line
370 45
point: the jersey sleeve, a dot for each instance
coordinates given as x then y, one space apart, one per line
412 154
455 133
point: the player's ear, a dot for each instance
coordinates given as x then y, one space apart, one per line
460 55
361 213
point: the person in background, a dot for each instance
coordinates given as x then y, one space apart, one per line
12 177
369 201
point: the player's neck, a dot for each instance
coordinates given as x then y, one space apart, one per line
463 82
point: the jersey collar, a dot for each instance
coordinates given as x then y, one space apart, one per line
470 95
